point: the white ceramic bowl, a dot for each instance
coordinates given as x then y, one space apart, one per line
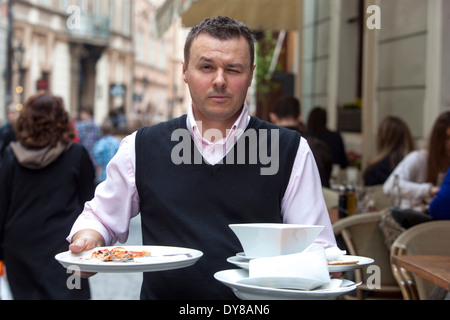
274 239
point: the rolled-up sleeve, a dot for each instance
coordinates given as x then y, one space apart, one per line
116 199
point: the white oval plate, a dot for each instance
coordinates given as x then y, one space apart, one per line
155 262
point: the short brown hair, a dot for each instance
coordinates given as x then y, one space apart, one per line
222 28
287 107
43 122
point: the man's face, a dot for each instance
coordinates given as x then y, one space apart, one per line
218 75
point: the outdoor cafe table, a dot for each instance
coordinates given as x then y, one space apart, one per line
435 269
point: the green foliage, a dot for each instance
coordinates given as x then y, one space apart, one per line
264 53
354 105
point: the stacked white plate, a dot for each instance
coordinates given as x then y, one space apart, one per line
281 288
237 280
287 264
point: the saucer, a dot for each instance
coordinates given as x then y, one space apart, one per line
242 261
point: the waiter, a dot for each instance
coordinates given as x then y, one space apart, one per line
189 203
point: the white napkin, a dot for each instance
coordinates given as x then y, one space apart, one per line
311 264
334 253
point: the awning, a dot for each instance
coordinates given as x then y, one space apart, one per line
257 14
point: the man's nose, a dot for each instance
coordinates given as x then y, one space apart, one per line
219 79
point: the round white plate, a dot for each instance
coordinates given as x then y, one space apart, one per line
244 257
155 262
362 261
231 278
242 261
239 262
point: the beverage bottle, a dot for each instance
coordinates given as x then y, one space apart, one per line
351 199
342 201
395 192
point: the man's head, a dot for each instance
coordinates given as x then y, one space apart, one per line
222 28
286 111
218 70
86 112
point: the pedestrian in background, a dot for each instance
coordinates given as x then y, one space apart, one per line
45 180
7 133
104 149
88 131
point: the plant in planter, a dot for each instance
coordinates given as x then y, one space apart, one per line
349 116
354 159
354 105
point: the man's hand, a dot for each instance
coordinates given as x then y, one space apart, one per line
86 240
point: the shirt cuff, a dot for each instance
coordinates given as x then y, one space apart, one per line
87 221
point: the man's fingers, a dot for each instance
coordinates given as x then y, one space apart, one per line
81 244
86 240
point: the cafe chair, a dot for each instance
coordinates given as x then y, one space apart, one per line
362 236
429 238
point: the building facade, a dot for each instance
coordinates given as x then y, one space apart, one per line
79 50
160 92
396 65
105 54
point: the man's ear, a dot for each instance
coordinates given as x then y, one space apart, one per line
184 72
273 117
251 78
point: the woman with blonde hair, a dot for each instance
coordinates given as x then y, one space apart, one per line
394 142
419 172
45 180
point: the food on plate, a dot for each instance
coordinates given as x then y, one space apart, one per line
342 262
117 254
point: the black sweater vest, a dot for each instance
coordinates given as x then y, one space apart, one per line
191 204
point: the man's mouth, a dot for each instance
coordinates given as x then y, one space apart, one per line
219 98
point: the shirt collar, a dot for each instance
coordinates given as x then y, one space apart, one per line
238 127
